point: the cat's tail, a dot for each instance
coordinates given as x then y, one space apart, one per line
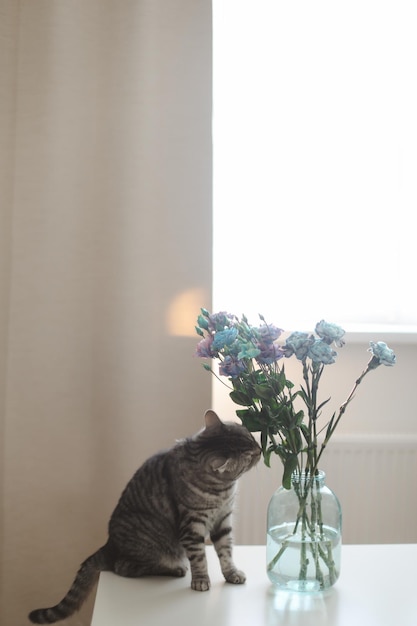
83 583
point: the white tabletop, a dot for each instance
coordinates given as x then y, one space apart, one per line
377 587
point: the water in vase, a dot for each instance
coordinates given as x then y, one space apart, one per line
303 564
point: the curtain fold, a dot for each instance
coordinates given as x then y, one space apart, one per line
105 244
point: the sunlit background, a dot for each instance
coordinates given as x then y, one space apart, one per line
315 160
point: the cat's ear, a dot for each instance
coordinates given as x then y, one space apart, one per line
212 419
221 465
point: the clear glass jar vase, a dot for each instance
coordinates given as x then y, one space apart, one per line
304 535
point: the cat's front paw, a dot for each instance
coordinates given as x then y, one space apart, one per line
235 576
200 583
179 571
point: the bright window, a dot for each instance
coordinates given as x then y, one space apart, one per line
315 161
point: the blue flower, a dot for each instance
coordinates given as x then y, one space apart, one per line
382 354
224 338
298 343
321 352
330 332
247 350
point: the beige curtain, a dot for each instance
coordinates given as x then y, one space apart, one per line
105 249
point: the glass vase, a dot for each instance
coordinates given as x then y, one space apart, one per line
304 535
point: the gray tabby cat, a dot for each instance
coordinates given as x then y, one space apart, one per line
175 500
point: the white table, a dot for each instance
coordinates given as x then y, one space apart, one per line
377 587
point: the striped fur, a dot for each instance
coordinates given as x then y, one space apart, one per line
174 502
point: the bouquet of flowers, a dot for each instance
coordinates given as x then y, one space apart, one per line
252 358
253 361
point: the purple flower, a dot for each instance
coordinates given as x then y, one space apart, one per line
268 333
221 320
231 367
269 353
204 347
321 352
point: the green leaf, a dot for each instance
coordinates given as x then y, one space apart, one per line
299 418
304 395
199 331
330 426
306 432
240 398
290 466
322 405
297 441
264 440
264 391
284 416
250 419
282 381
282 453
267 455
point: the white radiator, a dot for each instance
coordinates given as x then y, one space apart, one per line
374 477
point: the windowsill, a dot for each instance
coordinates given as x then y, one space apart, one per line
390 333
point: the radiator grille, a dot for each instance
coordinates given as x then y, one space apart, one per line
374 478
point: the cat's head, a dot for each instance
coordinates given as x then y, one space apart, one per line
227 448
